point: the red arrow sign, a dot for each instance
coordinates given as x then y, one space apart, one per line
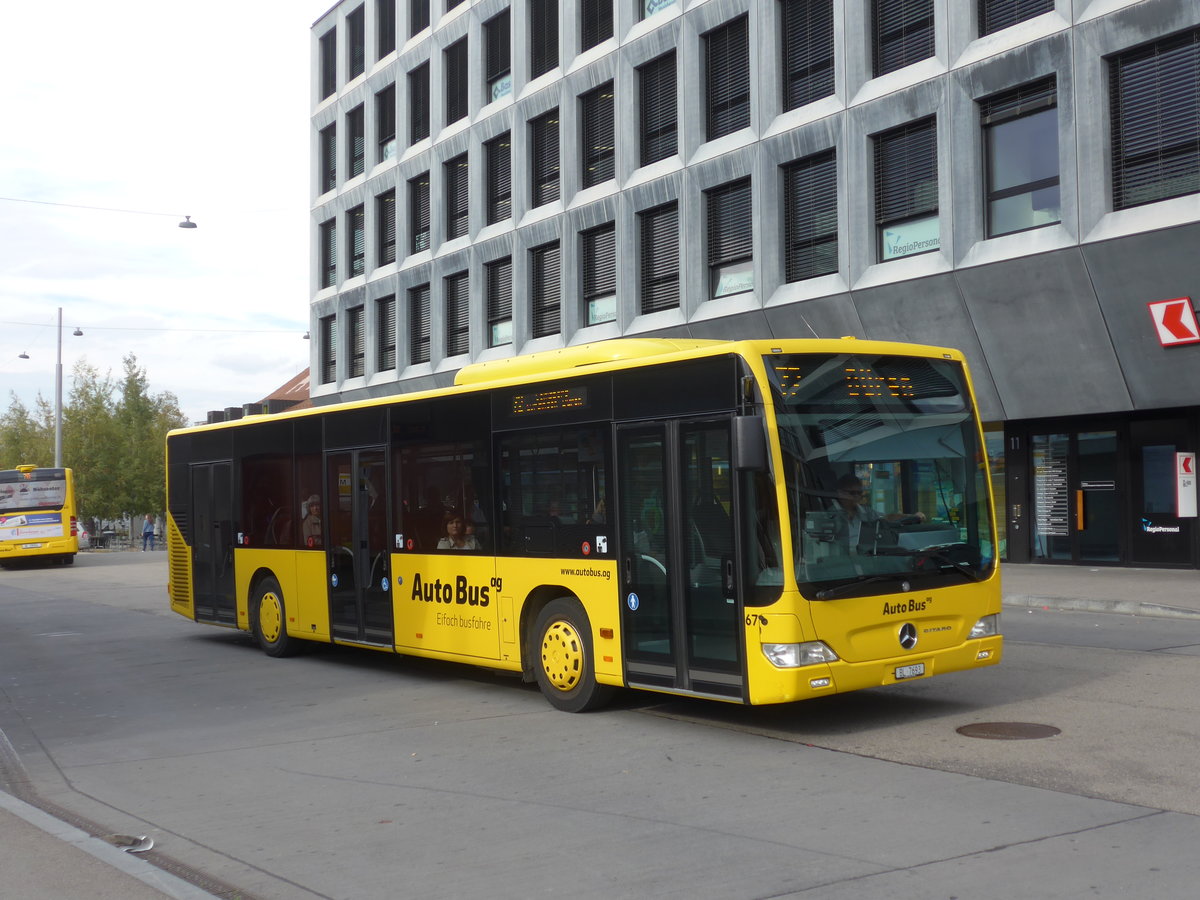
1175 321
1186 463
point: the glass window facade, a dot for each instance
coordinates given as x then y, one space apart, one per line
1021 157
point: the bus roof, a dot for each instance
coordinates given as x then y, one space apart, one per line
568 361
549 362
32 473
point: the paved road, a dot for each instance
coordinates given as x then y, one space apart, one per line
351 774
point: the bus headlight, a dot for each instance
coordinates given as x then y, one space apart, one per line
986 627
793 656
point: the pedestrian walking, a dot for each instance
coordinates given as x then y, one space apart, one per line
148 532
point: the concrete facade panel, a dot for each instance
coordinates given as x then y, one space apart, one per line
825 317
930 311
1128 274
749 326
1044 336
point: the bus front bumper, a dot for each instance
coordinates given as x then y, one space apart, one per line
841 676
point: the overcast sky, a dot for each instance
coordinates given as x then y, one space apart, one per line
158 106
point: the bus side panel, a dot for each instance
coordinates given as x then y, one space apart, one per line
447 604
310 609
249 566
471 608
301 577
179 576
769 684
593 582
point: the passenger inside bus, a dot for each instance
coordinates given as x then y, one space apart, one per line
857 523
311 525
456 537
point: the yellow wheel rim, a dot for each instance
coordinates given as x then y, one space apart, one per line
270 617
562 655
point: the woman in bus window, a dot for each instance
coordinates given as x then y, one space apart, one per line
456 536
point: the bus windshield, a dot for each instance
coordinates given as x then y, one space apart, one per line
887 489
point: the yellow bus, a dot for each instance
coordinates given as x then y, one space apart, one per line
37 515
755 521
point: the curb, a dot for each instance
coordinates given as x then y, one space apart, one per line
1082 604
150 875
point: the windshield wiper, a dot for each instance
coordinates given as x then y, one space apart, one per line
862 580
939 553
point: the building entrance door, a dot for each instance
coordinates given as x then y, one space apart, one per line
1160 535
1100 491
1076 488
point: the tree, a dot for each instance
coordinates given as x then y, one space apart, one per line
90 442
25 437
114 437
143 421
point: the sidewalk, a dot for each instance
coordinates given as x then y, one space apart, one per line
1173 593
42 858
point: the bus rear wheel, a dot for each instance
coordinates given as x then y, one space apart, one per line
565 665
270 620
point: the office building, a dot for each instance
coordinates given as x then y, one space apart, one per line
1016 178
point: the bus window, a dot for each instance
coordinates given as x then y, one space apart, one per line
306 502
554 489
762 553
438 483
267 516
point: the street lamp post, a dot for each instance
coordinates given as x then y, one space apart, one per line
58 398
57 393
58 388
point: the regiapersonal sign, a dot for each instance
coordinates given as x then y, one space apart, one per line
1175 321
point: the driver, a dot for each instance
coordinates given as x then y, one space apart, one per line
853 512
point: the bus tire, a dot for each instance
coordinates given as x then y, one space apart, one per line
564 662
269 620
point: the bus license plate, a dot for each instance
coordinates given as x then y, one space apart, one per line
31 546
913 671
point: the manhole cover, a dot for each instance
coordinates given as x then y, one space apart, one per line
1008 731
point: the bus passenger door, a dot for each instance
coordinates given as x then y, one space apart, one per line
358 556
212 542
680 609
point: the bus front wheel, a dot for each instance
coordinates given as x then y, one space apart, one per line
270 619
565 666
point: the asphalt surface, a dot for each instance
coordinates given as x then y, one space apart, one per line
42 857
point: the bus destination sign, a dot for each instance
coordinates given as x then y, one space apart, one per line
528 404
859 382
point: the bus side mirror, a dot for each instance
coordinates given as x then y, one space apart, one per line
749 444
